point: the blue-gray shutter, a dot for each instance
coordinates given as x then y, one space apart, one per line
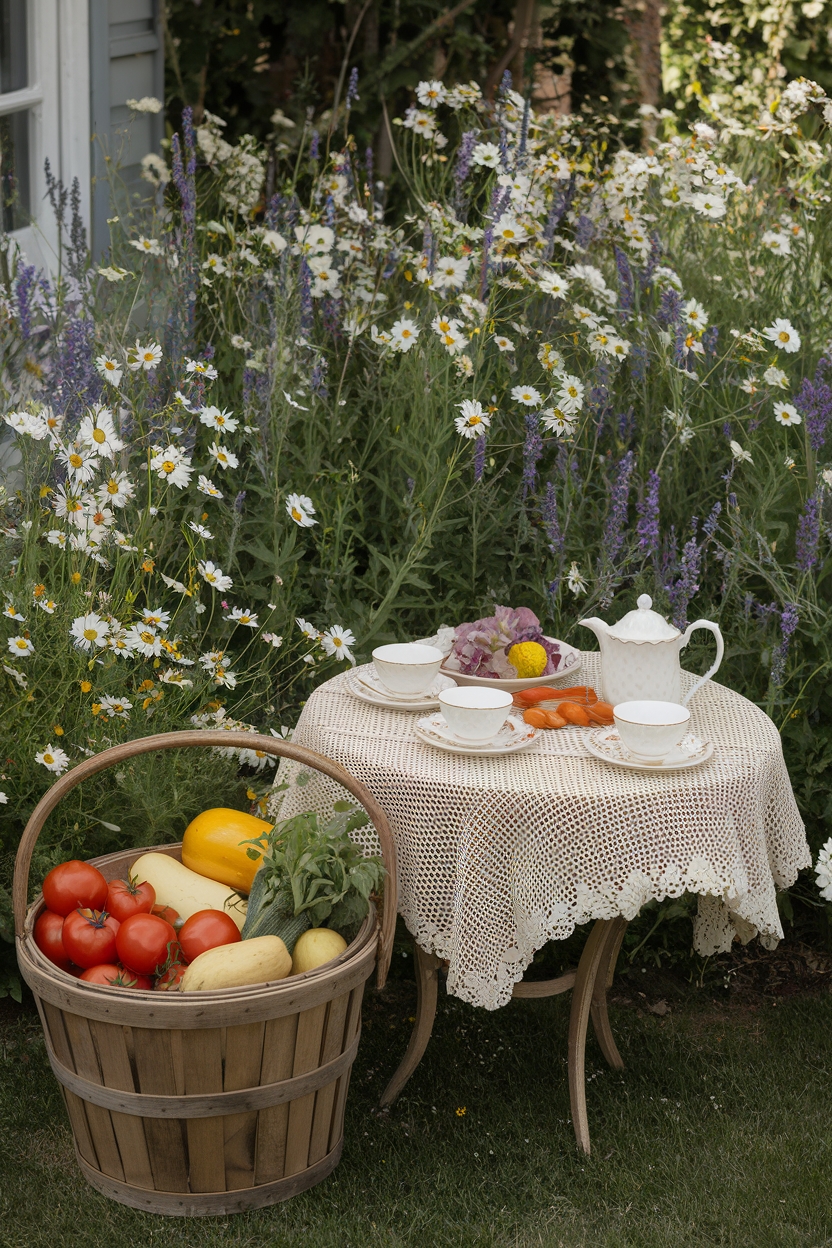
126 62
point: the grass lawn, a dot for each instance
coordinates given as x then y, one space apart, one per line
716 1134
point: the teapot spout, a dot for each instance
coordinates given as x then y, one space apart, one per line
598 627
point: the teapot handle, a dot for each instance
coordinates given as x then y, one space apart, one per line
720 650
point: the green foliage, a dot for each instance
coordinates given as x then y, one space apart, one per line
311 867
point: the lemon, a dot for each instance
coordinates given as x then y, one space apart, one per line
529 658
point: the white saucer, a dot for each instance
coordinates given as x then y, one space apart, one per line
606 744
364 683
514 735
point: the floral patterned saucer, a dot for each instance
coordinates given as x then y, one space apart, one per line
514 735
364 683
606 744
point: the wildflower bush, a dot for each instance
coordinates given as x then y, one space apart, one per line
264 435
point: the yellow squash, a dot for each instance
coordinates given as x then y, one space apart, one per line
212 846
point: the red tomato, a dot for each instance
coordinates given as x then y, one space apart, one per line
143 942
48 938
74 885
126 897
205 930
116 976
171 978
168 914
89 937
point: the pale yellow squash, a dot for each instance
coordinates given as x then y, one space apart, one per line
186 891
255 961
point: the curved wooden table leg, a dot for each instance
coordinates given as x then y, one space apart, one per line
427 986
603 981
588 967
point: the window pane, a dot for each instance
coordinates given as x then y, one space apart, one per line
14 66
14 171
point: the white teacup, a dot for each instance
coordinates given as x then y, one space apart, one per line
650 730
475 713
407 667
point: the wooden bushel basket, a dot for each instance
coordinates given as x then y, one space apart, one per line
205 1102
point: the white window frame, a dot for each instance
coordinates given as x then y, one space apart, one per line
59 116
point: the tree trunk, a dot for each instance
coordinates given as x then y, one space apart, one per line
643 21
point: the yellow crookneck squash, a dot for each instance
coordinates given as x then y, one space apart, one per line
212 846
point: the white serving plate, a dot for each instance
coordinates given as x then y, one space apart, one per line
364 683
606 744
513 736
571 656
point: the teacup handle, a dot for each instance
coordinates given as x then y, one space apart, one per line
720 650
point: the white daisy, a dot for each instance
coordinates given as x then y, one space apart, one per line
216 419
776 377
527 395
431 94
309 631
53 759
171 464
403 334
557 421
450 273
143 357
11 612
81 463
570 398
575 581
20 647
272 639
694 314
508 230
156 618
98 432
46 604
200 530
787 414
739 454
173 584
555 285
214 575
116 491
198 368
148 246
473 422
172 677
89 631
115 708
784 336
223 457
300 508
108 368
504 344
337 641
487 155
239 615
144 640
206 486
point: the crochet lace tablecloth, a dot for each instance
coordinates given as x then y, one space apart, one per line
499 855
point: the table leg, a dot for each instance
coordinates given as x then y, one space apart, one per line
593 956
603 981
427 987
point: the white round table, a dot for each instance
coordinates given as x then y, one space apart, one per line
498 855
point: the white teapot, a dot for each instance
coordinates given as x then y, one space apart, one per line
640 656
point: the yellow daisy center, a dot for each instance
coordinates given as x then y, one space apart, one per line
47 758
168 465
90 633
112 487
77 461
783 335
99 436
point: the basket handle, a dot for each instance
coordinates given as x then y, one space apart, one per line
203 737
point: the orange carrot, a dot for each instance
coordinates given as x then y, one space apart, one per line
573 714
537 719
543 693
553 720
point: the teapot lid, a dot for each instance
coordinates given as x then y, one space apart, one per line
643 624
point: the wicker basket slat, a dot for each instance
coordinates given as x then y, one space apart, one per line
210 1102
244 1057
202 1052
307 1058
272 1122
117 1073
333 1043
85 1061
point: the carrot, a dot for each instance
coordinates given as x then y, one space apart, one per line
543 693
537 719
601 713
573 714
553 720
